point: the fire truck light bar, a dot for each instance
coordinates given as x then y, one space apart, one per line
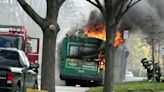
8 28
4 30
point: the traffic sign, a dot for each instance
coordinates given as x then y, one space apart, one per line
162 51
126 34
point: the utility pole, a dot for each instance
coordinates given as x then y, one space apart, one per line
163 67
159 51
162 53
153 60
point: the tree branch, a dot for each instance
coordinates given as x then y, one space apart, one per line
130 5
93 3
103 11
31 12
53 9
120 5
99 6
121 13
130 2
117 3
98 3
61 2
52 5
118 9
134 3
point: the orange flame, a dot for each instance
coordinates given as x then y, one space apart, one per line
118 39
95 31
101 59
99 31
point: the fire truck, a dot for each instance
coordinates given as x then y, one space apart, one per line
82 61
12 36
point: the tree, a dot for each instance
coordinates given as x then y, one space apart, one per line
113 11
50 29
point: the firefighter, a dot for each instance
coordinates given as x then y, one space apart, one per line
157 72
148 64
144 62
149 69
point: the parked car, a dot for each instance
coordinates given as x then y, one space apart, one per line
129 74
15 72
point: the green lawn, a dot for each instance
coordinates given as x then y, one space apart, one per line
142 86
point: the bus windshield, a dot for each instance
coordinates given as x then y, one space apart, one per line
13 42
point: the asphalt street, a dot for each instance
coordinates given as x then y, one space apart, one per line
71 89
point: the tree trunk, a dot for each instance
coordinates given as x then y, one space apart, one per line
48 60
109 61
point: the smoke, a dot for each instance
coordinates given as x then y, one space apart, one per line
144 18
158 4
147 16
95 17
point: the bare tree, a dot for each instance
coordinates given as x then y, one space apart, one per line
113 11
50 29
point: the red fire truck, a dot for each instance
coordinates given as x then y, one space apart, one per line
12 36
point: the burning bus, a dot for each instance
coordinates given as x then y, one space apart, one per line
80 58
83 57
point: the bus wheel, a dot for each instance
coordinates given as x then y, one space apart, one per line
69 83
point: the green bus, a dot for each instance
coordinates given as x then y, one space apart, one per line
78 64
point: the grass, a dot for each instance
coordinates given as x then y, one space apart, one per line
141 86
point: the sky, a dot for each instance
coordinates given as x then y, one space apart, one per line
72 12
75 13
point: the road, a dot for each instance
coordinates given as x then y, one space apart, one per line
70 89
61 88
83 89
60 85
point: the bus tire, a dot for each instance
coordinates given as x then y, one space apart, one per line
69 83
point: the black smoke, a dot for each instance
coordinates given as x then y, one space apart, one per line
95 17
147 15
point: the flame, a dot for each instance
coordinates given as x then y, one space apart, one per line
95 31
118 39
101 59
